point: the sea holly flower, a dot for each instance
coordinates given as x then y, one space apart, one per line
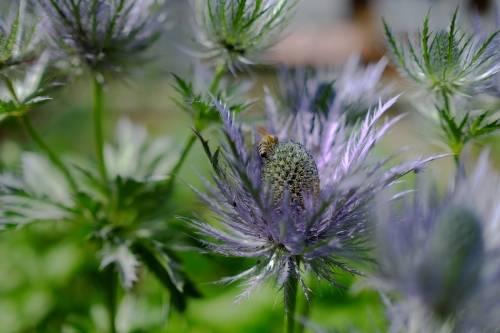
296 202
441 256
446 62
237 32
127 226
106 35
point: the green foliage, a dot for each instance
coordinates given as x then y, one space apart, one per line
126 216
458 132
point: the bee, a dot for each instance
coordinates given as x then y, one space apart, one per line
267 143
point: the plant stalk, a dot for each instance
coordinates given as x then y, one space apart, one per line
219 74
304 313
98 128
184 154
110 284
456 152
28 126
290 293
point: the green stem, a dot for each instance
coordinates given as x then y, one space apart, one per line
184 154
290 293
446 99
99 137
456 159
110 283
219 74
304 313
456 150
28 126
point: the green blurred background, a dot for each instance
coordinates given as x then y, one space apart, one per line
49 279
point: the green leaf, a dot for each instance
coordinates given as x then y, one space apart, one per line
167 270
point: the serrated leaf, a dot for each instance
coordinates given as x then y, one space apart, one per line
124 260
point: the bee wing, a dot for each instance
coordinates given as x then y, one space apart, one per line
262 131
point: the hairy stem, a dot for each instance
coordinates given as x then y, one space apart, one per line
290 294
184 154
28 126
98 128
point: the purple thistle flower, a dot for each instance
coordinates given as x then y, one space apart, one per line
297 201
442 256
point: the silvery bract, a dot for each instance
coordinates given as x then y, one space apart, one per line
442 257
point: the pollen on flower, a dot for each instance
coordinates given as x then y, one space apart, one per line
289 167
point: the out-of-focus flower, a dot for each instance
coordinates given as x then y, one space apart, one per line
442 257
22 62
351 91
445 62
239 31
106 35
297 201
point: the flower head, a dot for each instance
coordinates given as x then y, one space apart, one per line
445 61
442 256
238 31
106 35
296 201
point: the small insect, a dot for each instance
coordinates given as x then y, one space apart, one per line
267 143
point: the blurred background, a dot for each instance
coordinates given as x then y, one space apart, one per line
48 272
